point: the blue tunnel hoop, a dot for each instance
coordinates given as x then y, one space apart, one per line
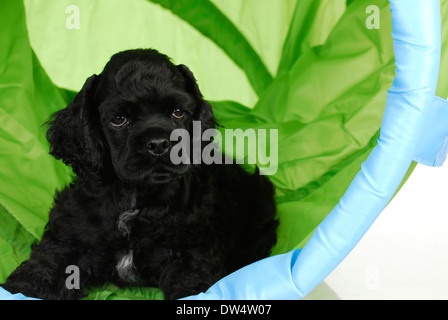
412 130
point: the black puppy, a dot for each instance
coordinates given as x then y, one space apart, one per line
132 217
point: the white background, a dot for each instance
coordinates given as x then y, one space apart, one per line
404 255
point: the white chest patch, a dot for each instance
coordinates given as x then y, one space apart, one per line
123 221
126 268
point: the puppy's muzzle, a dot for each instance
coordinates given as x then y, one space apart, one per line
158 147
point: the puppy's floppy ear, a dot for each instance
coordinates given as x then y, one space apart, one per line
204 112
74 133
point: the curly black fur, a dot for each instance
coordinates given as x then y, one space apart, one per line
132 217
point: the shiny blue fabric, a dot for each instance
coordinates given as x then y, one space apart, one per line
264 279
5 295
433 146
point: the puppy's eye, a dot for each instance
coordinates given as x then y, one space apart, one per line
178 114
119 122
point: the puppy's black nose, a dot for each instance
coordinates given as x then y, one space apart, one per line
158 147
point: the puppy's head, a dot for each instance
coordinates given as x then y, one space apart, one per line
119 124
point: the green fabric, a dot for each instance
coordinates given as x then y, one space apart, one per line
310 69
208 20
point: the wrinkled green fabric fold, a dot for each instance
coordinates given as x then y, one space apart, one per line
28 175
308 29
207 19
